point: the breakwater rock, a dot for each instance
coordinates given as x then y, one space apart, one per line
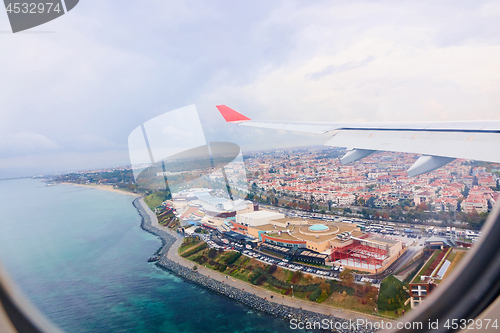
292 314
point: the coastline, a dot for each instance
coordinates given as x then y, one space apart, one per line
103 187
172 262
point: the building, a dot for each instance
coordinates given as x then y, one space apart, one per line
432 272
258 218
475 203
311 257
342 199
194 204
424 197
438 243
297 254
446 204
367 253
420 290
332 243
238 238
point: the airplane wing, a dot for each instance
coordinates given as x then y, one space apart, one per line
438 142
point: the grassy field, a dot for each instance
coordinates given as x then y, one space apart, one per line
188 245
452 256
280 280
455 260
354 303
427 265
153 200
392 296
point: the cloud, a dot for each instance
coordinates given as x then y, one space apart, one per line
26 142
332 69
92 141
378 62
84 88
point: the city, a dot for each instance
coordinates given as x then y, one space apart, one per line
376 187
300 210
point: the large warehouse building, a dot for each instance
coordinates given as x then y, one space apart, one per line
195 203
342 243
258 218
367 253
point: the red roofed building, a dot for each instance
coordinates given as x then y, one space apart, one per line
423 197
489 182
343 199
477 203
468 181
446 204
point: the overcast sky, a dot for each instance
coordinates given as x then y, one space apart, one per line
72 90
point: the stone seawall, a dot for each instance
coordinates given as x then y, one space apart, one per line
258 303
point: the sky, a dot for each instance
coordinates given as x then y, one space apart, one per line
72 90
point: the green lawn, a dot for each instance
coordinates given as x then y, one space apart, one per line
392 295
186 246
155 199
458 256
349 302
451 256
427 265
241 274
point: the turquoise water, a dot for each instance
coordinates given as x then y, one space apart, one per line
80 256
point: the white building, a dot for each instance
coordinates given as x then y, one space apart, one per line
257 218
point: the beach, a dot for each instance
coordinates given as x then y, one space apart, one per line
104 187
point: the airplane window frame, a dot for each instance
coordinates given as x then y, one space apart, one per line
17 313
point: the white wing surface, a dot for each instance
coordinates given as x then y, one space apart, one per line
439 142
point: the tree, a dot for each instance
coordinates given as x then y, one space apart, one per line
261 279
347 277
367 287
465 192
405 203
271 269
324 286
296 277
212 253
371 202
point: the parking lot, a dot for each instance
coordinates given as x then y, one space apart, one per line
331 273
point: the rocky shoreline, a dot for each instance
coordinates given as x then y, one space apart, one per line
278 310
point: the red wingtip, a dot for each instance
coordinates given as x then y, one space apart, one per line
230 115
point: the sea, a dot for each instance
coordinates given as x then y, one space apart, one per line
79 255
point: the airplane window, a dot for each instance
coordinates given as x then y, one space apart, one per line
249 166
